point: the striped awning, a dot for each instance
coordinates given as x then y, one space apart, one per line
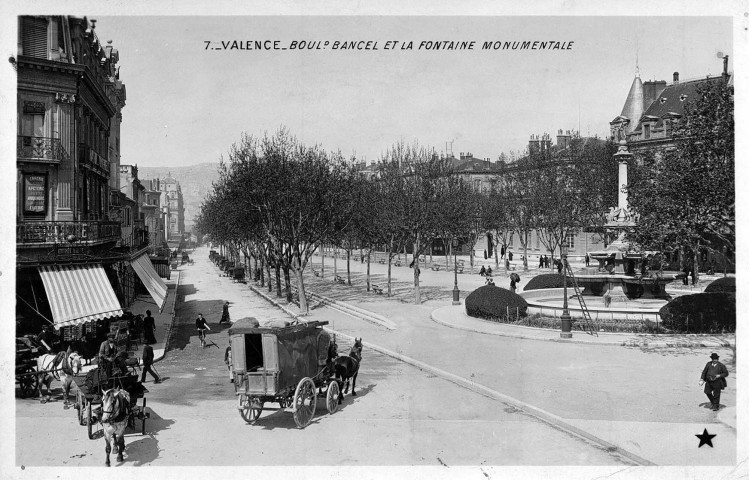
153 282
79 294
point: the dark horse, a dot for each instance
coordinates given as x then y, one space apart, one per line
347 367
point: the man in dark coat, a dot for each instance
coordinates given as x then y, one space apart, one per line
714 379
107 352
147 362
149 326
225 314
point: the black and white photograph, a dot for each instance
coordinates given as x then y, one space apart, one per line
351 241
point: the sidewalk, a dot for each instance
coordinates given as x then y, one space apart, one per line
162 320
455 316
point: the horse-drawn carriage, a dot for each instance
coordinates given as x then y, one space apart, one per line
26 371
287 365
93 386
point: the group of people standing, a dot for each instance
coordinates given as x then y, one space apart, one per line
108 350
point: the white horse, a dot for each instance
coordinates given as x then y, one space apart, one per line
61 366
115 408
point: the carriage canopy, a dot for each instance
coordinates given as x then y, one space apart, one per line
294 352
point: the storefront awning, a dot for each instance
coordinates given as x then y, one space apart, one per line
153 282
79 294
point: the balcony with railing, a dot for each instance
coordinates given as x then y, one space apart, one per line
63 232
90 158
40 149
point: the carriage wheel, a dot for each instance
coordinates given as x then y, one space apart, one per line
143 417
331 397
250 408
28 383
305 402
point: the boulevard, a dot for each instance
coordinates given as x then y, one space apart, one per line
401 415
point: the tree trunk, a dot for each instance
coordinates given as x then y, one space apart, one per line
348 266
322 260
696 263
303 307
270 277
525 253
279 293
417 289
335 263
390 256
369 259
287 282
496 253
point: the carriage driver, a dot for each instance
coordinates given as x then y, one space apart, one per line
107 352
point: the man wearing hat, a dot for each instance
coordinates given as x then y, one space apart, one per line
714 379
107 352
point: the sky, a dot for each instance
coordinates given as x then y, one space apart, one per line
187 104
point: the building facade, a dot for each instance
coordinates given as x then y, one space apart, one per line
176 208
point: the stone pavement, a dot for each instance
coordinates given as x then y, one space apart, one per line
592 384
163 319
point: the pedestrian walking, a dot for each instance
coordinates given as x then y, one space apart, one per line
540 261
559 266
147 362
587 260
149 326
509 256
227 361
482 272
502 252
714 379
225 314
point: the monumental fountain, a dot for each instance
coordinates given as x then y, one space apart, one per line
620 286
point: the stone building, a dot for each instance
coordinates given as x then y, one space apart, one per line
71 263
176 208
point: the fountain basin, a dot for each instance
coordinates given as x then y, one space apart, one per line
550 302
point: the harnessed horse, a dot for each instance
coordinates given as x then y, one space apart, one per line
61 366
347 368
115 409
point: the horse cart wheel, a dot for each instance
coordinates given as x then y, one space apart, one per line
305 402
28 382
250 408
331 397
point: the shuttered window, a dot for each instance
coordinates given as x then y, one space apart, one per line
34 37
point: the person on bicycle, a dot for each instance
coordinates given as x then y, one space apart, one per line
201 324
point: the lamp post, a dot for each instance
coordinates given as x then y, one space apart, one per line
456 292
566 319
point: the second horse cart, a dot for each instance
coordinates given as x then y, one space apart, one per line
89 394
287 365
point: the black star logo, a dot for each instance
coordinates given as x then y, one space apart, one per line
705 439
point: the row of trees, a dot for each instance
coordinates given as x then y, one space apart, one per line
277 201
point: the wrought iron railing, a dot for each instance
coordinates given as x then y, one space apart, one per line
91 158
40 149
66 231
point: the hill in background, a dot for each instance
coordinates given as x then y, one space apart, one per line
196 181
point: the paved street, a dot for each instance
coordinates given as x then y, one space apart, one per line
401 416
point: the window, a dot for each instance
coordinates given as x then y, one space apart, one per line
34 37
570 241
646 131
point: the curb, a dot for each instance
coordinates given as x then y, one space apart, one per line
171 323
272 300
613 343
544 416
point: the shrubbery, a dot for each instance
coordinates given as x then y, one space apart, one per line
491 301
725 284
701 313
547 280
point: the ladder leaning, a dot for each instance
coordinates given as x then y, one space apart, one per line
588 325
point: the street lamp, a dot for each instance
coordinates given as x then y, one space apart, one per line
566 319
456 292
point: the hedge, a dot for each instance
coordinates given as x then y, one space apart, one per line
494 302
701 313
548 280
725 284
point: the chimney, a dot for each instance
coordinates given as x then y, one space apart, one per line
533 145
563 141
676 78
